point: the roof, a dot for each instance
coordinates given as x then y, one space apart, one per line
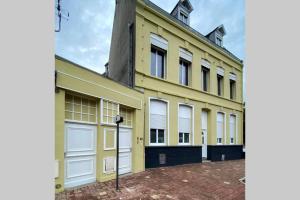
174 19
221 28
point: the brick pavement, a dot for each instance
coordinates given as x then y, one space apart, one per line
201 181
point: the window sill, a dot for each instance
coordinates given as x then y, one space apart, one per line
80 122
157 144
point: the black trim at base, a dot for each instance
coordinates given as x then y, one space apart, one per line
174 155
230 152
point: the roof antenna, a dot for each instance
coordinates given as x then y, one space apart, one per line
61 13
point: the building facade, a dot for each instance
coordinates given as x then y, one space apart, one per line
192 85
180 94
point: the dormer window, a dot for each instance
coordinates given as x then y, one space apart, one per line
219 41
183 18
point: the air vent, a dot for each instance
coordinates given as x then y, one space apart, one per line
223 157
162 158
109 165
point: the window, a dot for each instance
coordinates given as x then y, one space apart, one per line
157 62
205 78
232 129
109 111
185 124
127 115
220 127
158 121
183 72
218 41
80 109
220 85
183 18
232 89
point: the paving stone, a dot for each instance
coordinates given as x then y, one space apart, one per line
201 181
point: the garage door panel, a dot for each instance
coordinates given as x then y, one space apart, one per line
125 150
125 163
80 154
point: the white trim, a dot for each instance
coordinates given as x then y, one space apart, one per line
149 131
192 130
236 126
232 76
224 131
185 54
104 138
220 71
81 122
158 41
205 63
101 112
141 102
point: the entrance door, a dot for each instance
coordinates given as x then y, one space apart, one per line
204 134
125 150
80 154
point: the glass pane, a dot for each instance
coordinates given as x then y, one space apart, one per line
161 134
85 102
153 62
180 73
85 117
186 137
153 136
85 109
77 108
77 100
69 98
160 65
184 78
92 110
180 137
69 106
92 118
92 103
77 116
68 115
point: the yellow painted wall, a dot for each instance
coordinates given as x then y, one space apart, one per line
198 106
73 79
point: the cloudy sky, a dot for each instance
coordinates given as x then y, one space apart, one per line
85 37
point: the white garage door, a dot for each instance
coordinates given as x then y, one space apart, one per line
125 150
80 154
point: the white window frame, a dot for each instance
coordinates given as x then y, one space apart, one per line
125 126
207 79
104 139
224 130
157 136
165 57
236 127
166 132
101 112
180 68
191 141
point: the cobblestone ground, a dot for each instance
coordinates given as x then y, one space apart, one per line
209 180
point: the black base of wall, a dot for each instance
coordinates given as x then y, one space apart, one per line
230 152
174 155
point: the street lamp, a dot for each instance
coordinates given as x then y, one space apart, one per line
118 120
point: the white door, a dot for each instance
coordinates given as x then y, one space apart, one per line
204 134
125 150
80 154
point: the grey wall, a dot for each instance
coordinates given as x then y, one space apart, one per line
121 62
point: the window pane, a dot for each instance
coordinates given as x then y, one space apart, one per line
153 62
161 134
160 64
180 72
186 137
153 136
180 137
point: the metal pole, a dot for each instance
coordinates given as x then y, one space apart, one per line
117 178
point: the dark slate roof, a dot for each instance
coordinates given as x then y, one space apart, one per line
162 11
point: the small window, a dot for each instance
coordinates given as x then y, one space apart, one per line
78 108
183 18
232 89
205 78
220 85
184 72
127 115
157 136
109 111
219 41
158 62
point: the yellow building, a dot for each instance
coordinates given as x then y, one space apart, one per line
180 94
